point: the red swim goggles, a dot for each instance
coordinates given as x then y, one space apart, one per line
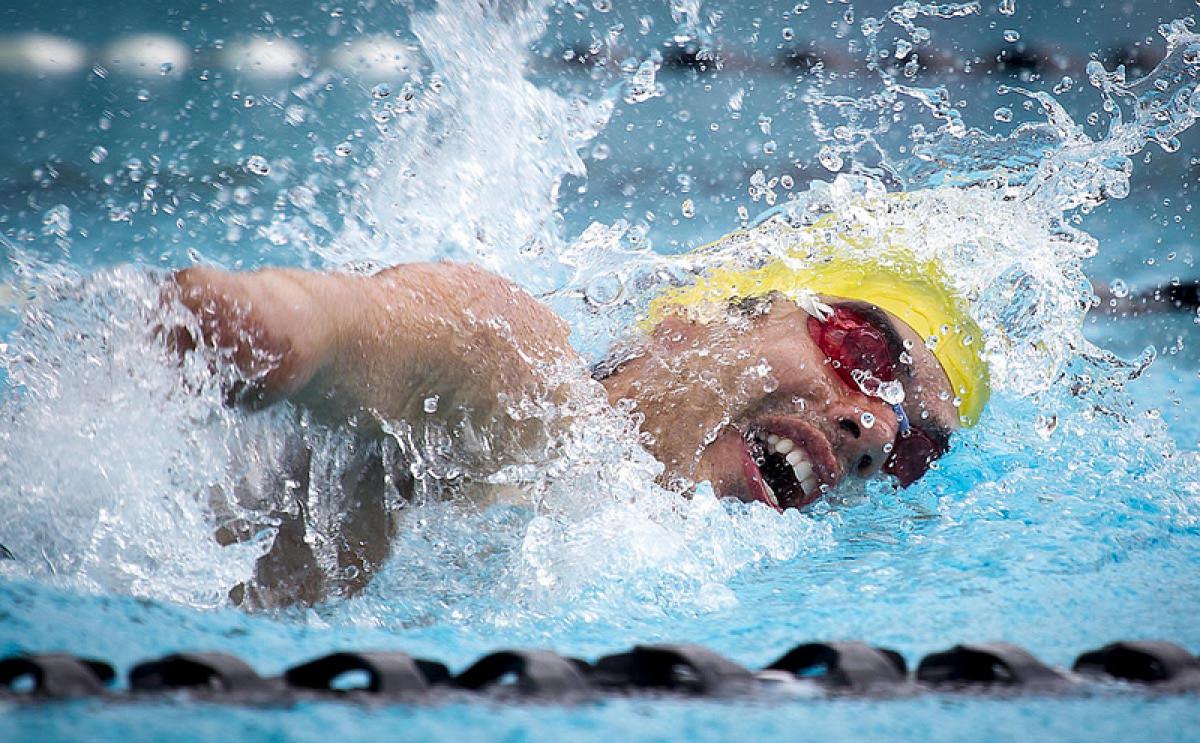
860 352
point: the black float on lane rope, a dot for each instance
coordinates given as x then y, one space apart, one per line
835 668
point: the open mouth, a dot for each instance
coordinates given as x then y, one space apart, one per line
780 471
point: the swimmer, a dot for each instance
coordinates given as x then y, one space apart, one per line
873 364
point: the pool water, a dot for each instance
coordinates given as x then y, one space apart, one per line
1067 519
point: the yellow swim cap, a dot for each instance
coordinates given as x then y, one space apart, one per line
891 279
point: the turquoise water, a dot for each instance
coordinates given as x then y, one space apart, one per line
1063 522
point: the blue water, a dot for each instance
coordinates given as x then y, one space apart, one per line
1059 541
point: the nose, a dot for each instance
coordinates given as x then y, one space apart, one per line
863 434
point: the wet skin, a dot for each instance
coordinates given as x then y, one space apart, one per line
709 394
359 351
712 393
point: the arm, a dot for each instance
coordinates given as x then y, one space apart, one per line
384 343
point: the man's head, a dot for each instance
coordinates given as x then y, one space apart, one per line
779 381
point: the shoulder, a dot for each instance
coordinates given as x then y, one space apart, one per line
466 288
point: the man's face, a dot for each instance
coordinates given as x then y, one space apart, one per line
758 407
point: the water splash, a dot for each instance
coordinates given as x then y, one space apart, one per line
471 161
147 459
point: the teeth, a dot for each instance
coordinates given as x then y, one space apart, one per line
803 471
801 466
771 495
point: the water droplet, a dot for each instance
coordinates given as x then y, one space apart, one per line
258 165
431 404
1066 83
643 85
867 419
98 155
1008 7
343 149
687 208
165 68
1004 113
1119 288
294 115
602 6
830 159
600 152
143 95
380 91
788 34
1012 36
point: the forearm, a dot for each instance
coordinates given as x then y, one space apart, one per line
274 325
384 344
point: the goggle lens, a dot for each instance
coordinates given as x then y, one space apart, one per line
853 344
857 349
911 456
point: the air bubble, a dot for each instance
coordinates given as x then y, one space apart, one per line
431 404
1004 114
1119 289
98 154
381 91
1008 7
1012 36
687 208
867 419
343 149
